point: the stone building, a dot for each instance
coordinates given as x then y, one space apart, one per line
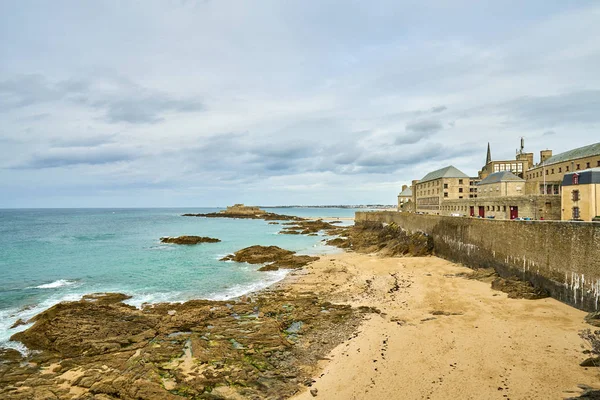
405 199
581 195
547 176
518 166
505 207
437 186
501 184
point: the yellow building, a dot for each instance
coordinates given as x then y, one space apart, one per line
435 187
501 184
405 198
518 166
580 198
547 176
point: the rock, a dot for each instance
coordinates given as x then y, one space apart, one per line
189 240
18 322
591 362
593 318
247 212
276 257
388 240
107 349
314 392
517 289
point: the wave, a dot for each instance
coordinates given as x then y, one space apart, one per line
56 284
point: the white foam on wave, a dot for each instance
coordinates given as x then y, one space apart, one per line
138 299
56 284
270 278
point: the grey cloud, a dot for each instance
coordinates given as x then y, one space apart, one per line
425 126
549 133
126 102
89 141
579 107
418 131
65 157
439 109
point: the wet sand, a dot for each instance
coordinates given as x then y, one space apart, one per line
440 336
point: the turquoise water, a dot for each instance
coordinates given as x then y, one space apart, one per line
52 255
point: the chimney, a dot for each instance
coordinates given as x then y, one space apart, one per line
544 155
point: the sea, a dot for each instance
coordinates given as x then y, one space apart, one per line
52 255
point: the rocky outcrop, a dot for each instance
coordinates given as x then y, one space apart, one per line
519 289
241 211
307 227
274 257
188 240
259 347
388 240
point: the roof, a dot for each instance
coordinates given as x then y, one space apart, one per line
586 177
502 176
406 193
585 151
447 172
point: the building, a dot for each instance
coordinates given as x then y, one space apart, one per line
547 176
518 166
505 207
501 184
405 199
437 186
580 199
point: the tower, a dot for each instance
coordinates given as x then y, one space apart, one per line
488 159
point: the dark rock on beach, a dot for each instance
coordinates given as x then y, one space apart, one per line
189 240
260 347
276 257
518 289
388 240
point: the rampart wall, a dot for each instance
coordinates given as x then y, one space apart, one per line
562 257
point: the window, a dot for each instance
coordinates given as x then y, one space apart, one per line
445 186
575 195
575 212
559 170
445 194
460 197
553 170
567 168
460 190
488 208
546 172
598 164
587 165
578 167
504 208
575 179
460 181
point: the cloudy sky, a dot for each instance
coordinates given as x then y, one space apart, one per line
206 103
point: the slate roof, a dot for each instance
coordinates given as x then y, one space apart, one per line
586 177
502 176
406 193
581 152
447 172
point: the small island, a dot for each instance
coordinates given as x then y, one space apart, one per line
188 239
242 211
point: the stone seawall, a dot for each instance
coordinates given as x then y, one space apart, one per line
559 256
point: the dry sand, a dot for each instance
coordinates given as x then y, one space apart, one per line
442 337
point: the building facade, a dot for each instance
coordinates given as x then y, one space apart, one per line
547 176
581 195
518 166
501 184
438 186
405 199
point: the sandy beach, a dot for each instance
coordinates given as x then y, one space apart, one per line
440 336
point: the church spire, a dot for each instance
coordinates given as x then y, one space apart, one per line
488 159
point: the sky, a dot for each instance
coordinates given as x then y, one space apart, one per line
164 103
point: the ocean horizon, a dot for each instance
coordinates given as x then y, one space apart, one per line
60 254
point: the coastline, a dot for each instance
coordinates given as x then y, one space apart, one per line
424 332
